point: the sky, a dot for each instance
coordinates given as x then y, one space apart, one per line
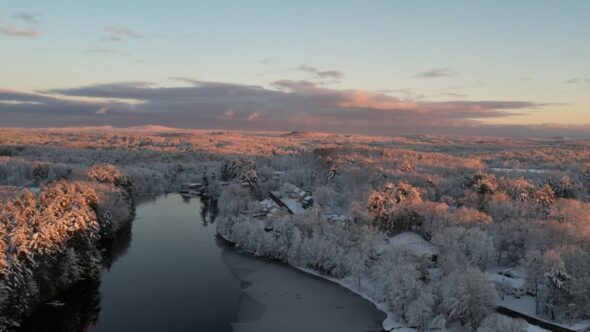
516 68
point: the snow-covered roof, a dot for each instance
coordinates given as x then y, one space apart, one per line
294 205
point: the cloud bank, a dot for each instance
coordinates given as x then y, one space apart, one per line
288 105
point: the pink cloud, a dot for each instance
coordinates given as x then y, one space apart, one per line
254 116
11 30
291 105
370 100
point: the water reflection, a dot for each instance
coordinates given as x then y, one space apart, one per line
208 211
74 310
171 278
116 248
78 308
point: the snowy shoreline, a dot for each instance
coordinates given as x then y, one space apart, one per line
389 324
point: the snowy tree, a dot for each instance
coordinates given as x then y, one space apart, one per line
511 238
392 205
235 200
564 187
535 269
40 173
544 197
248 178
460 247
49 241
405 167
407 194
438 323
468 296
484 184
556 281
468 216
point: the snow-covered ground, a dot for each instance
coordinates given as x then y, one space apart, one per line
526 305
410 241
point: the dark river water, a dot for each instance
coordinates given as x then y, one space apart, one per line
170 273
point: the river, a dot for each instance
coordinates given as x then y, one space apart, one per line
169 272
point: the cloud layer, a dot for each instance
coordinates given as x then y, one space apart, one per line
289 105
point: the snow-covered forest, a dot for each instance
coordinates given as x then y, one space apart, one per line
438 231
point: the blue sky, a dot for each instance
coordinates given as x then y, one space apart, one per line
419 51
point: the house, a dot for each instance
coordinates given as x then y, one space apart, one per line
292 198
